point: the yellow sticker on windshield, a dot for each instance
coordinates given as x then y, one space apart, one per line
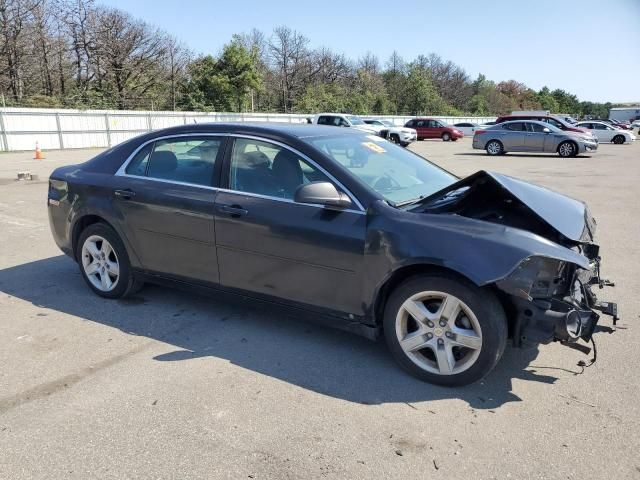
374 147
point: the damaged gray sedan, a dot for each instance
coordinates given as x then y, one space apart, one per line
341 226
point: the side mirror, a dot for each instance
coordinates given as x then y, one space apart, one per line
546 130
322 193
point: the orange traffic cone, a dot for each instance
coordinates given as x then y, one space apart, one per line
39 155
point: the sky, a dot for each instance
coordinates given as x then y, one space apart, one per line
590 48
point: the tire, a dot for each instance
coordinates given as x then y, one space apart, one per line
494 148
394 138
567 149
101 251
618 139
446 137
478 309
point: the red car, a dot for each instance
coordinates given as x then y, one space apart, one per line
430 128
552 119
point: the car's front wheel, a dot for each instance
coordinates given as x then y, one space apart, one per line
567 149
446 137
618 139
445 330
104 262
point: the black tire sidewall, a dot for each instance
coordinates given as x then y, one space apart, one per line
617 137
126 282
483 303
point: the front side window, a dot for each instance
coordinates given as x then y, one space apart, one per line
394 172
536 127
185 159
267 169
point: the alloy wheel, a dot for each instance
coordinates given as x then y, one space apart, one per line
493 148
100 263
566 149
439 333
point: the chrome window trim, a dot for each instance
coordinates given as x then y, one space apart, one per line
121 172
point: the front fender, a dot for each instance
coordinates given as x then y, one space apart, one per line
483 252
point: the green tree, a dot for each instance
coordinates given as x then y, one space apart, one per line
420 95
237 70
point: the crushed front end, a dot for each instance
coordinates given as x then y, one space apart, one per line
554 300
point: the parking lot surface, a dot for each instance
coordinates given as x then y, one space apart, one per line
169 384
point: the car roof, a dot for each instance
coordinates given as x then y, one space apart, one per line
297 130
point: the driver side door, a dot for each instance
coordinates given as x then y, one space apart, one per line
270 245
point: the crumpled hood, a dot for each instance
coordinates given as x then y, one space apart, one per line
567 216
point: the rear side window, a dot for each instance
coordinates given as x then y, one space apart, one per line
516 127
185 159
324 120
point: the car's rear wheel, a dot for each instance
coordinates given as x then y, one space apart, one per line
567 149
446 137
494 147
445 330
618 139
104 262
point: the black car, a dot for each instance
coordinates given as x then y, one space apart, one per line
338 225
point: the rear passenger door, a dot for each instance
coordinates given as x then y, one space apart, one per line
514 136
165 194
534 137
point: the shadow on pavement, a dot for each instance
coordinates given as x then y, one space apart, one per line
320 359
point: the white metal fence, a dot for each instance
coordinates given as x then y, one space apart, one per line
21 128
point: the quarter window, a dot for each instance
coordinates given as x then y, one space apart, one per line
138 165
267 169
189 160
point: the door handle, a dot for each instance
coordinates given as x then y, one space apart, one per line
233 210
124 194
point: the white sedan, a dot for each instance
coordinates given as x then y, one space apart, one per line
468 128
607 133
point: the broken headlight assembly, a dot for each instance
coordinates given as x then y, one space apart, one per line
538 277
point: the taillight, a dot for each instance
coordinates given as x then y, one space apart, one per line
479 132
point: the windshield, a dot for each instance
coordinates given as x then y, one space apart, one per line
570 120
355 120
395 173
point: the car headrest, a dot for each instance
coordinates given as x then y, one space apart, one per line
252 161
162 162
286 165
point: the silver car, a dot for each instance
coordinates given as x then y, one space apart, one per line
533 136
